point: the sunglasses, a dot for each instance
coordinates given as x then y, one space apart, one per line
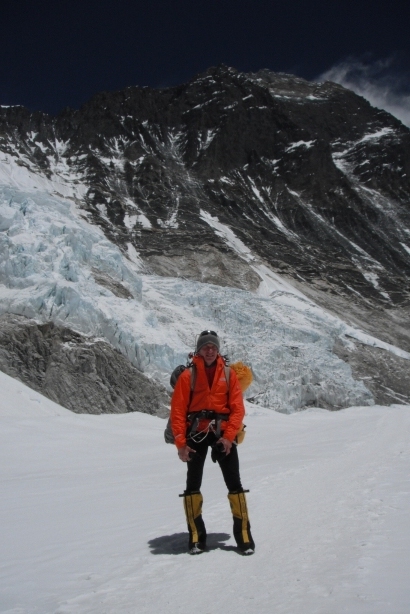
208 332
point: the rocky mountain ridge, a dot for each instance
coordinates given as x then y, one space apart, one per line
313 182
87 376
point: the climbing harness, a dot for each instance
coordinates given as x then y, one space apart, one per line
214 426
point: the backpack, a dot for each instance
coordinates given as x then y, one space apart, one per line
168 434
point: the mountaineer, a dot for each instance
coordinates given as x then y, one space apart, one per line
207 410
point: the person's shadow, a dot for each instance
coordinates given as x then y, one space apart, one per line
178 543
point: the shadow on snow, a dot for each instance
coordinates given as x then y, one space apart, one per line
178 543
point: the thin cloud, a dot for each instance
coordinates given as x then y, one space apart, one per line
377 81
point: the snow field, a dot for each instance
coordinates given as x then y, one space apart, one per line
91 521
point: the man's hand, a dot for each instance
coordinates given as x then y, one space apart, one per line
184 453
226 444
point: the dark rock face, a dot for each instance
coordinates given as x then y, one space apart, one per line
206 264
386 376
310 177
80 374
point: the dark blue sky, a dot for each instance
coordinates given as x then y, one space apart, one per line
59 53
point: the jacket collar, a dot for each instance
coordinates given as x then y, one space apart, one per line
198 360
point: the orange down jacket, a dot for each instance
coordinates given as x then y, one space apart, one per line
216 398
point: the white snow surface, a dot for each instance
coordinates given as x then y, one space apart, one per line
92 523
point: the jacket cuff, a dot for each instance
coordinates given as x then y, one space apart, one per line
180 441
229 437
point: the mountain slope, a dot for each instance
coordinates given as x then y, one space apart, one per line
261 183
310 176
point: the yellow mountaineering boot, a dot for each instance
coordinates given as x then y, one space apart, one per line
241 525
196 527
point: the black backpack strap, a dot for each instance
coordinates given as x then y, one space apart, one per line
192 370
227 376
218 422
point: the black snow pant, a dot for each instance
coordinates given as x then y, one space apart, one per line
229 465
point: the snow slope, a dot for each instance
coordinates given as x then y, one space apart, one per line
91 521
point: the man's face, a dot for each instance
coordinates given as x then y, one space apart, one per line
209 352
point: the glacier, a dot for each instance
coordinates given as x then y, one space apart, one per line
57 266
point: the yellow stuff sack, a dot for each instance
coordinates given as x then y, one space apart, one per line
240 435
244 375
245 378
